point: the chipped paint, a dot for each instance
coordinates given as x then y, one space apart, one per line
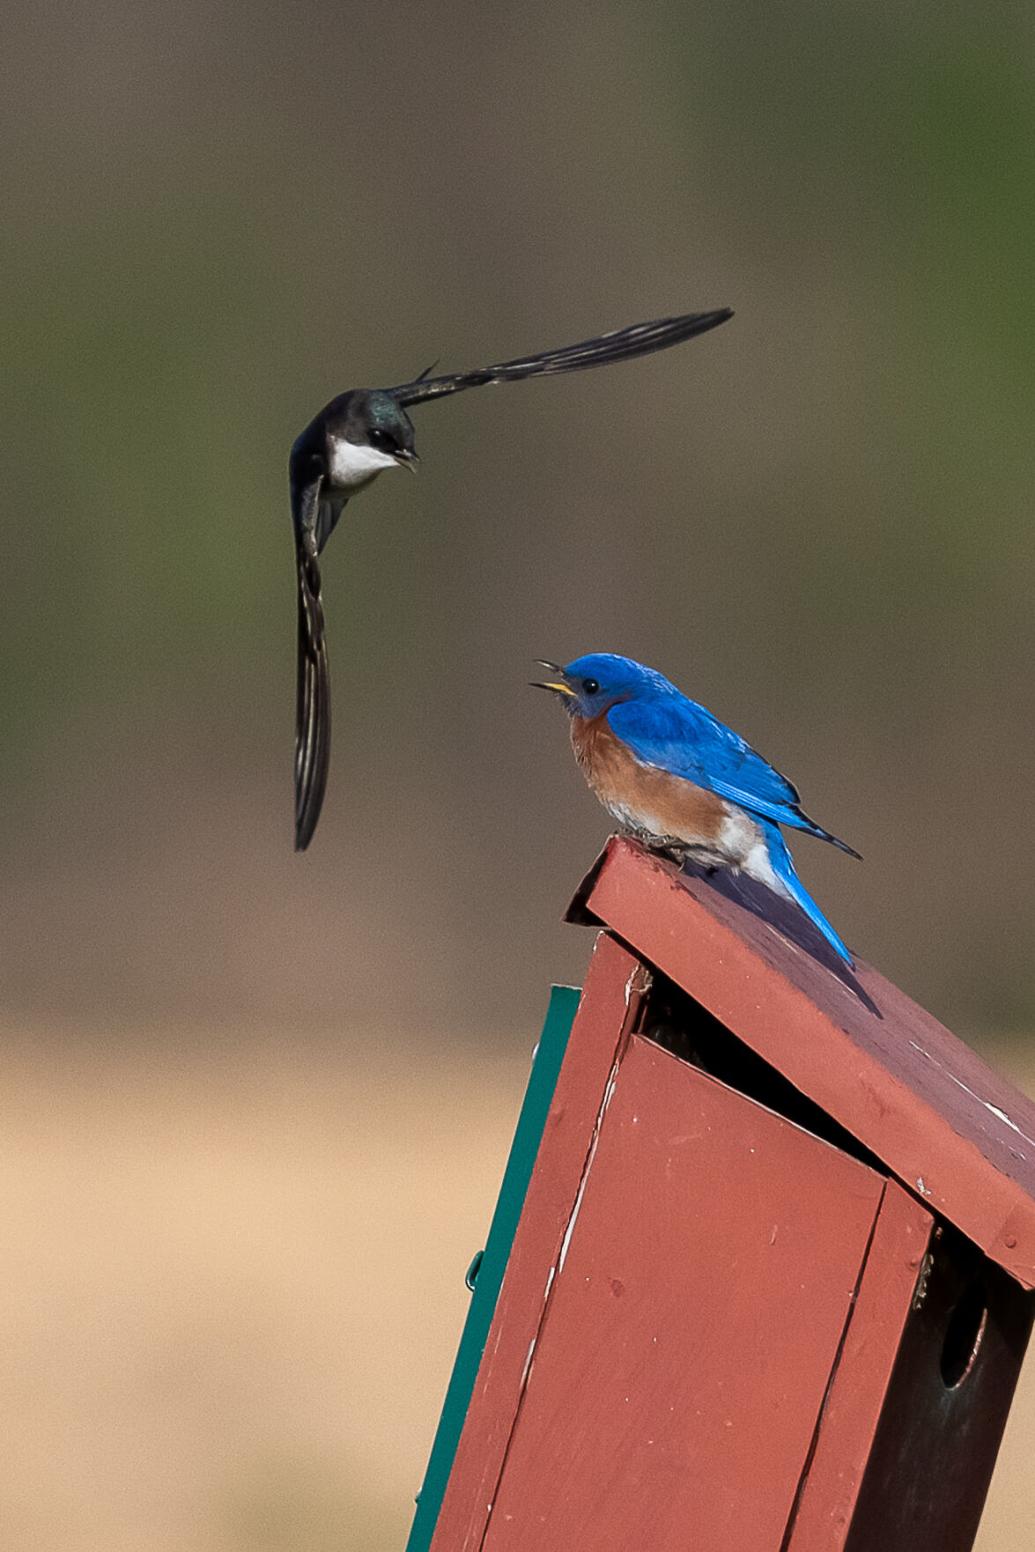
986 1104
526 1371
923 1278
636 984
1002 1116
608 1095
638 981
570 1229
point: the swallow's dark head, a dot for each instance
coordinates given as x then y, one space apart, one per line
365 432
387 424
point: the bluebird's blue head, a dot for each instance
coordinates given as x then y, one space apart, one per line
592 684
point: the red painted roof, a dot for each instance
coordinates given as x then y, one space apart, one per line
957 1135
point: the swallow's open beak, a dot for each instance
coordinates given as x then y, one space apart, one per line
556 685
406 459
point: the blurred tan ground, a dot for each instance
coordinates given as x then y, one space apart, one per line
234 1284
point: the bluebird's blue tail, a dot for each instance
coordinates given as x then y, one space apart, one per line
783 867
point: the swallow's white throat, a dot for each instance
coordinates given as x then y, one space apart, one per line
353 465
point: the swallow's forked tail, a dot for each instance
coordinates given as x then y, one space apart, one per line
791 884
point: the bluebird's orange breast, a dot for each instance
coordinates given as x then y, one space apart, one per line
642 797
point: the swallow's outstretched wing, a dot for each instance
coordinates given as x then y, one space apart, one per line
640 339
313 706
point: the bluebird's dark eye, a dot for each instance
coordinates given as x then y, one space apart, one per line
590 686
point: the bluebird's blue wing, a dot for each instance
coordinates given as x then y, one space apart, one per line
678 735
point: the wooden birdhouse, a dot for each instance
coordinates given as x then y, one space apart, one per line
759 1278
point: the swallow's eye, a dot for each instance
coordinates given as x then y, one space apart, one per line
381 440
590 686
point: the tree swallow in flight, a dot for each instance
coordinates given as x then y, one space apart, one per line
344 448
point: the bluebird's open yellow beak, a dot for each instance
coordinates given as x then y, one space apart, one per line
556 685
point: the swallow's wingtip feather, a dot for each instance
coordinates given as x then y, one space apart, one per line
624 344
313 717
314 747
305 827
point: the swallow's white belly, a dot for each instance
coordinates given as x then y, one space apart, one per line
352 465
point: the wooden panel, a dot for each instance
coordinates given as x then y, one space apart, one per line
943 1418
611 1000
949 1128
693 1320
851 1412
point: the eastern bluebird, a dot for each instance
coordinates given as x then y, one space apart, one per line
679 780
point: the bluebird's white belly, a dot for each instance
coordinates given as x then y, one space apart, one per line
744 842
735 842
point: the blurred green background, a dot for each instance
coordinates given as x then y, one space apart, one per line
816 519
